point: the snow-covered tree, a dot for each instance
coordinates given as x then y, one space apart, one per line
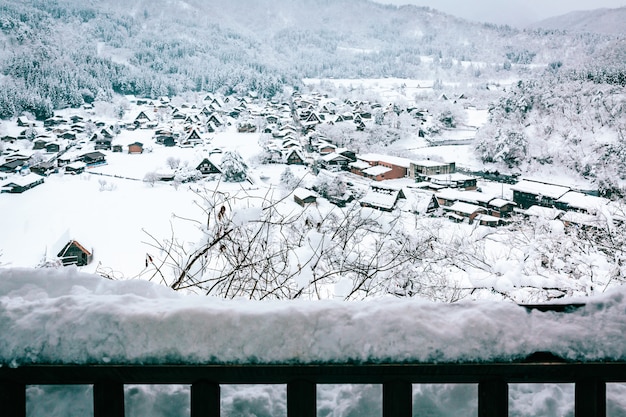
233 167
288 180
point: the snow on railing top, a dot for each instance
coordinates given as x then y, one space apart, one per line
66 317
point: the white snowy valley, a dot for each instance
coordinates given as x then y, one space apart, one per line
302 230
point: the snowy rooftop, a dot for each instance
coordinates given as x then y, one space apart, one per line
580 200
376 170
360 165
540 188
303 193
381 197
24 180
430 163
395 160
467 196
543 212
455 176
63 316
465 208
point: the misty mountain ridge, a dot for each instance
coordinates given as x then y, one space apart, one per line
604 21
63 53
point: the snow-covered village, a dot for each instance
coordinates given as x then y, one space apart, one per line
295 212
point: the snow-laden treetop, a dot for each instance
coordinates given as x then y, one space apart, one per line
63 316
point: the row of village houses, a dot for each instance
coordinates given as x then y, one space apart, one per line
429 175
535 197
529 197
572 207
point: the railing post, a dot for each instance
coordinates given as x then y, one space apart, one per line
493 398
301 399
590 398
205 399
108 399
397 399
12 399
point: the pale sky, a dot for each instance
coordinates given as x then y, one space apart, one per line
512 12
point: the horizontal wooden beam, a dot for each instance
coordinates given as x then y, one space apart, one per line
539 372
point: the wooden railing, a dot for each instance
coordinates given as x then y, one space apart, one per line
590 379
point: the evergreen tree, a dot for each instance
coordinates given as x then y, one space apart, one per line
233 167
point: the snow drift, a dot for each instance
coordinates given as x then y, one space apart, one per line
64 316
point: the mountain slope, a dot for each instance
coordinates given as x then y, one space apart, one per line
605 21
61 53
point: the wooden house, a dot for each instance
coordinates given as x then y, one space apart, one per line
488 220
217 122
53 147
106 133
39 144
75 168
581 202
527 193
142 118
460 211
246 127
295 157
455 180
334 162
383 167
499 207
420 170
73 253
326 148
20 183
271 119
381 197
93 158
43 168
54 121
24 122
304 197
207 167
496 207
102 143
193 136
419 201
13 166
135 147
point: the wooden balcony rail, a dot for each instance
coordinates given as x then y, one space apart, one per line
590 379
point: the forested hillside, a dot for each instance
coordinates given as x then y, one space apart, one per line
612 21
55 54
574 122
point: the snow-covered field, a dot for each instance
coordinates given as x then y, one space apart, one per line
111 213
111 210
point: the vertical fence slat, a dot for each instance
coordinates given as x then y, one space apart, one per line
397 399
12 399
205 399
108 399
590 398
301 399
493 398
